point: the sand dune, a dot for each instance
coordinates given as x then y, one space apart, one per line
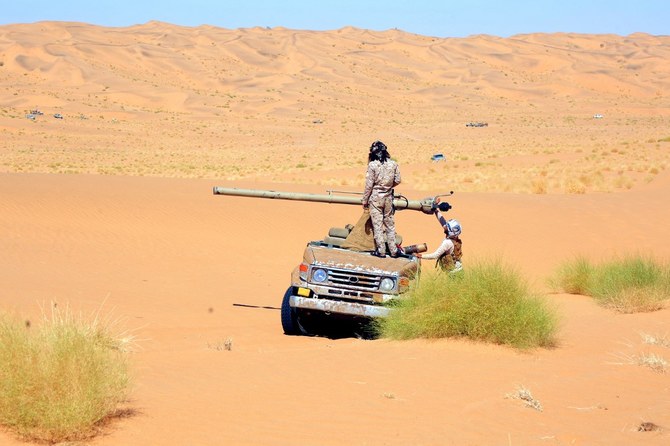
111 207
302 96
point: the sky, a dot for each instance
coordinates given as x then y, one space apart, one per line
436 18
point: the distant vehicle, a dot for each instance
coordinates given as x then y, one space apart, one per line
598 116
36 112
31 116
477 124
438 157
58 116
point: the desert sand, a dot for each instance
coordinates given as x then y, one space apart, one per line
111 210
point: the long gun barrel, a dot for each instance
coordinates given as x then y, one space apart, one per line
427 205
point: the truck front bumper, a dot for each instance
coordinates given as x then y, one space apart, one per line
338 307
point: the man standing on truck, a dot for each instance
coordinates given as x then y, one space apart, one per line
381 177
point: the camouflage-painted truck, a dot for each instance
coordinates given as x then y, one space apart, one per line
338 277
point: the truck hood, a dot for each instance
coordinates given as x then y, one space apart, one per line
361 261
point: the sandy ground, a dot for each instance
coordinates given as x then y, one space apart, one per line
115 213
186 271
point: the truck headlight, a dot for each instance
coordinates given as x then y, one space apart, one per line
387 284
319 275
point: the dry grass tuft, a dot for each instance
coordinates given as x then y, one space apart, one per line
650 339
62 378
221 345
525 395
539 186
574 186
655 362
650 360
648 426
629 285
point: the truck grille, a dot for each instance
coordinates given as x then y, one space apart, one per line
353 279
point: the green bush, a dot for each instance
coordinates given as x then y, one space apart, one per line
574 277
628 285
60 378
486 302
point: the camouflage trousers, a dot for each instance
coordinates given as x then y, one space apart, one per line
383 223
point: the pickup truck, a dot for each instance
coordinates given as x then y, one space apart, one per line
340 283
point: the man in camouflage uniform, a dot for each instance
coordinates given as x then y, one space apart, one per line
450 251
382 176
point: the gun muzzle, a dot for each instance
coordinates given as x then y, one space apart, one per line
443 206
415 249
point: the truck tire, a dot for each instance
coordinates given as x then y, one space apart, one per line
289 316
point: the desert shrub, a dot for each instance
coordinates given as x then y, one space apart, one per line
629 285
573 277
539 186
574 186
61 377
485 302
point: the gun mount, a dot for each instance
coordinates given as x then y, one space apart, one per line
338 279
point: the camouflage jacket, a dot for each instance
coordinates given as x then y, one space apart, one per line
380 179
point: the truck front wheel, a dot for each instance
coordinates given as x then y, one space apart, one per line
289 315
